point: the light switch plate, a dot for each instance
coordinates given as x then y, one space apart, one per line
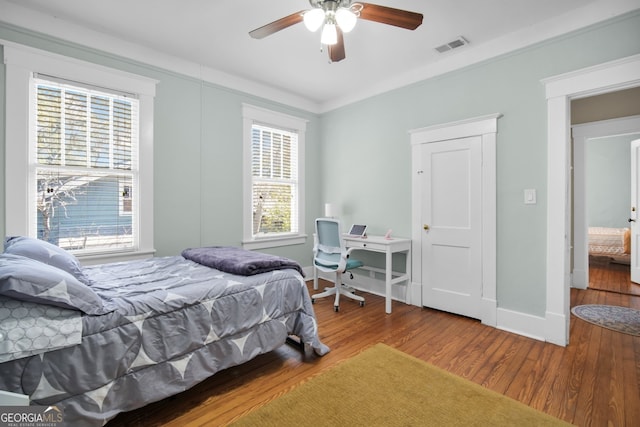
530 196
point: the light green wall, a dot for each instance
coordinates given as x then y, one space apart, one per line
358 156
197 153
367 159
609 181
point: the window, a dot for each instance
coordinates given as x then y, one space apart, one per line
274 175
85 163
79 155
274 196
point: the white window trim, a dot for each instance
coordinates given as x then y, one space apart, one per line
250 115
21 62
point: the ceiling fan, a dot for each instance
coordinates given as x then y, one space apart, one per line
337 17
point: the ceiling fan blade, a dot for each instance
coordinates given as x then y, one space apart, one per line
336 51
275 26
388 15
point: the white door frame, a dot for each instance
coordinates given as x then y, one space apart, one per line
560 90
634 270
581 134
485 127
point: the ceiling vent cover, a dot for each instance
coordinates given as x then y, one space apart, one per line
459 42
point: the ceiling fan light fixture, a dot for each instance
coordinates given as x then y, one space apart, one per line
313 19
337 17
329 34
346 19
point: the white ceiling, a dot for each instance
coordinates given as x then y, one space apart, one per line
209 39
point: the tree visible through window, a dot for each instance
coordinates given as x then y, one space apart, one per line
274 171
85 167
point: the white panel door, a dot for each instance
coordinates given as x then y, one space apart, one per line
452 226
633 215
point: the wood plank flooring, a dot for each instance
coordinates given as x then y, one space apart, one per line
594 381
612 277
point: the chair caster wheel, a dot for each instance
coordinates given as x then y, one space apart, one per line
336 308
361 303
313 300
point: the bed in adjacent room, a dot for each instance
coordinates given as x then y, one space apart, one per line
610 244
100 340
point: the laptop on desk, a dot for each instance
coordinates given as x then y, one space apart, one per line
357 230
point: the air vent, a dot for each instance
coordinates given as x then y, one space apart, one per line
460 41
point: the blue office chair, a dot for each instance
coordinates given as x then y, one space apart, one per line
331 256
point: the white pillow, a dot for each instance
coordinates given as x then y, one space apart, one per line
47 253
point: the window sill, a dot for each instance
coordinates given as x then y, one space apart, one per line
273 242
105 258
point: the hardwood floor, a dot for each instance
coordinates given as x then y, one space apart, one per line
612 277
594 381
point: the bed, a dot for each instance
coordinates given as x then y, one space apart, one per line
96 341
610 244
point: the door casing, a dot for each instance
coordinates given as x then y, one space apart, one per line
581 134
633 211
560 90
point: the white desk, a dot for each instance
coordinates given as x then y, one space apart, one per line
387 247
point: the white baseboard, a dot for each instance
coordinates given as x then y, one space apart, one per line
521 324
488 308
579 279
548 328
415 294
554 325
308 273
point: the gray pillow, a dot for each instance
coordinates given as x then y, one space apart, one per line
47 253
26 279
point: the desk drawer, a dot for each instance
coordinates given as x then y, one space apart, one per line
364 244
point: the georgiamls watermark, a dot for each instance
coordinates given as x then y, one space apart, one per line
31 416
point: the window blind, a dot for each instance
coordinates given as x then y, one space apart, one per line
274 170
86 166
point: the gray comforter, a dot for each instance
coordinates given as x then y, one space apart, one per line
175 323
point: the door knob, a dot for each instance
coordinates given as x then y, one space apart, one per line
632 220
425 227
